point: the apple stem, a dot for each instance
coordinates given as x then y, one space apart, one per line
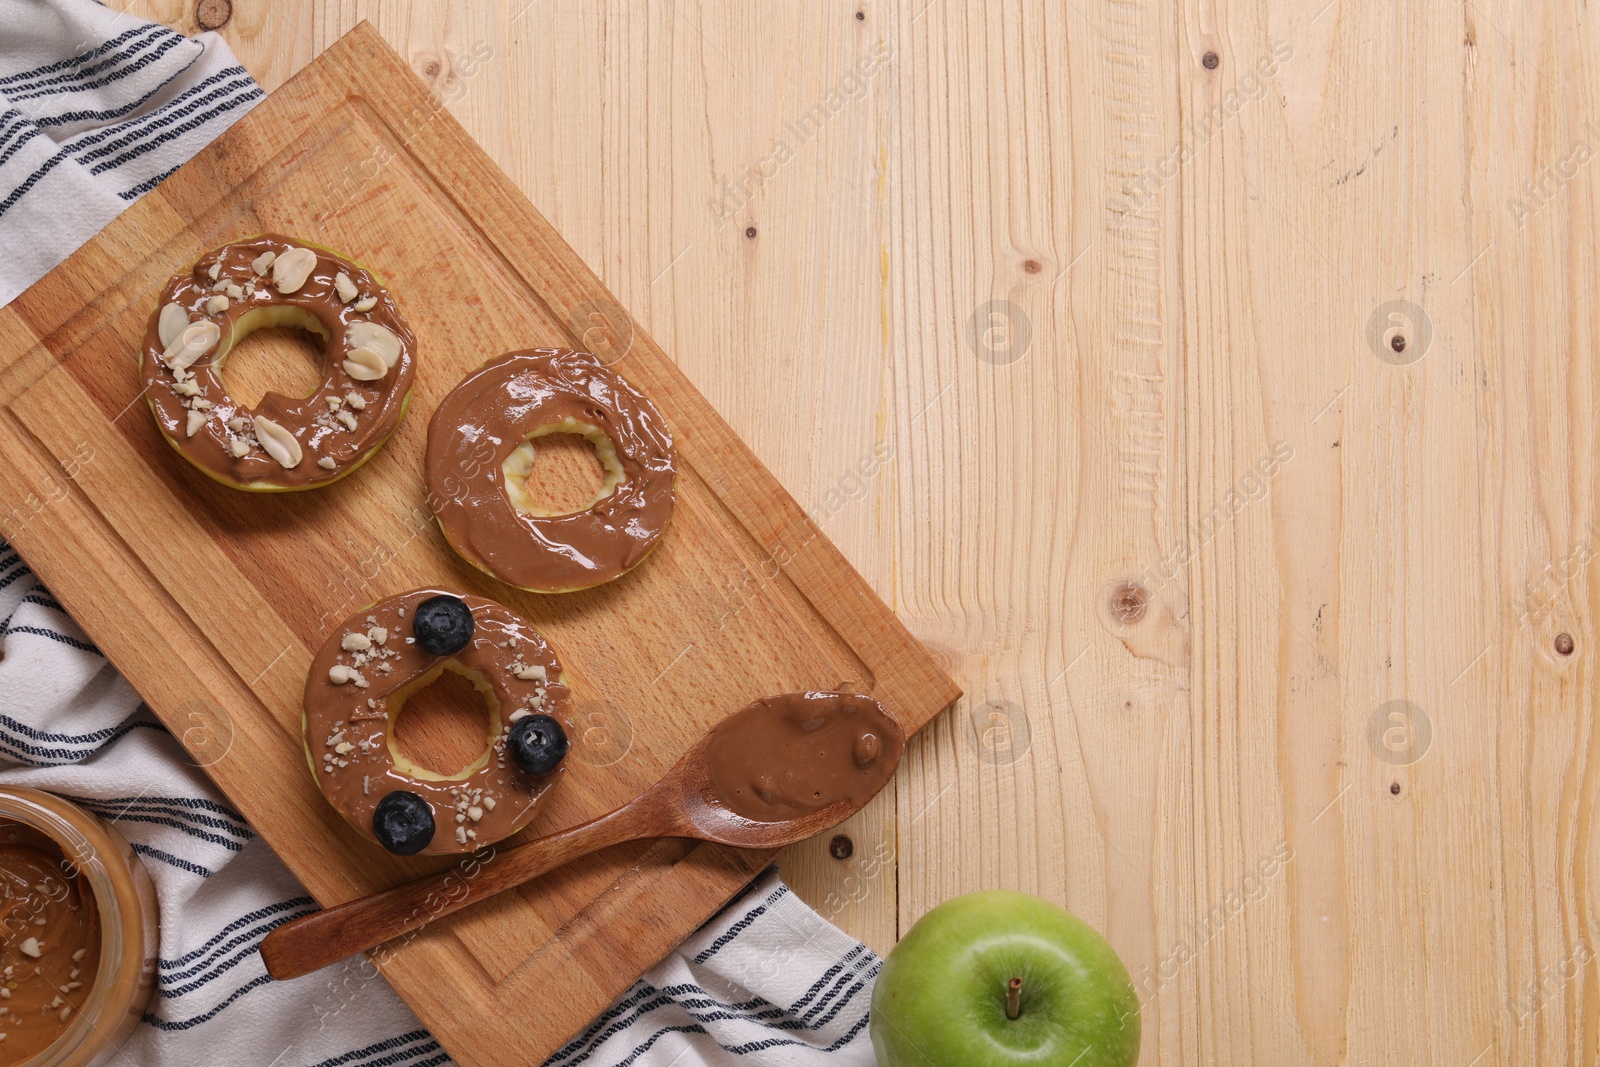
1014 999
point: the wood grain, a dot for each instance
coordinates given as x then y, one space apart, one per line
211 601
1197 253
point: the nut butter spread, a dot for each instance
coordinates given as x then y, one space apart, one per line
361 678
787 756
480 446
49 942
283 442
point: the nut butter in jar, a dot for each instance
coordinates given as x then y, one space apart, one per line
78 935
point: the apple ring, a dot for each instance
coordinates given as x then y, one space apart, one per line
283 443
379 657
480 451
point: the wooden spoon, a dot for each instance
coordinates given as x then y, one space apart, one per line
781 770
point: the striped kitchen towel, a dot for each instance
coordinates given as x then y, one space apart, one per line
767 983
71 725
96 107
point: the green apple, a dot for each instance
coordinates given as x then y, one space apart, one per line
998 978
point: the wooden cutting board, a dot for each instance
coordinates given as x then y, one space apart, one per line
211 601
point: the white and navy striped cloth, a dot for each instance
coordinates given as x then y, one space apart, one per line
99 107
96 107
766 982
71 725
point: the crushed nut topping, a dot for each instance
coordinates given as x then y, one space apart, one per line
171 323
290 270
380 339
194 341
365 365
279 443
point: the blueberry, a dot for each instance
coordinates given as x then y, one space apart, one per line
442 625
537 744
403 823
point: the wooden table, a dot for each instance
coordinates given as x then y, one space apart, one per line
1209 385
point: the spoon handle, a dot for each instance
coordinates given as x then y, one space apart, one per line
328 936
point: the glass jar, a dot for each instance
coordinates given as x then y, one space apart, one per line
125 901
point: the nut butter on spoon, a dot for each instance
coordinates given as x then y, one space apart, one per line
781 770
